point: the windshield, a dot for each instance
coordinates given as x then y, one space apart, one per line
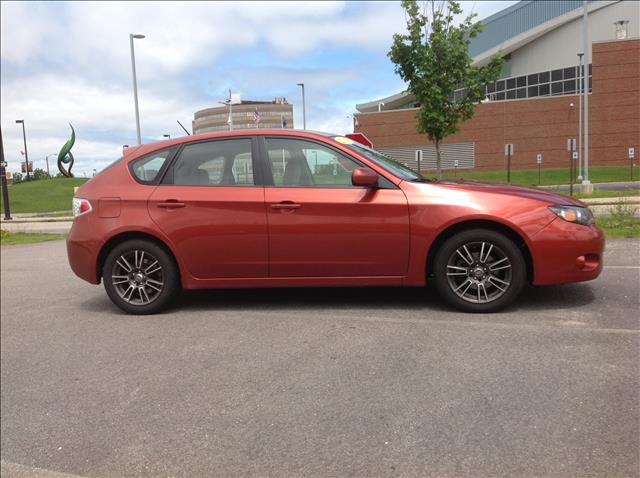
380 159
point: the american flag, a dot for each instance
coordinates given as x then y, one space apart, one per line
256 117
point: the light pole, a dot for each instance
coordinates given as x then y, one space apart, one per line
586 184
229 118
24 138
47 160
3 177
580 82
304 108
229 102
137 36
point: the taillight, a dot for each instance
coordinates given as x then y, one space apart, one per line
81 206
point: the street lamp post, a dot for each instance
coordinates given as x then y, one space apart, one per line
47 160
24 138
580 99
135 82
229 103
3 178
586 184
304 108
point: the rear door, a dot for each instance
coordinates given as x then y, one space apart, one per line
212 208
320 225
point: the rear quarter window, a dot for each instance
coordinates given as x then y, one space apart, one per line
149 168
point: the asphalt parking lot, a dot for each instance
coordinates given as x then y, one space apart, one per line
318 382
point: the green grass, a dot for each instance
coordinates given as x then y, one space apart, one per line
548 176
621 222
616 226
45 195
8 238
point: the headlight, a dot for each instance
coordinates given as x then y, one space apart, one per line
575 214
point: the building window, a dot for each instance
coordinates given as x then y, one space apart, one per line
563 81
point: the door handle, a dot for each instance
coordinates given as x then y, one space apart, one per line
171 204
285 205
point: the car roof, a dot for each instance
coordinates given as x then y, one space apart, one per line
140 150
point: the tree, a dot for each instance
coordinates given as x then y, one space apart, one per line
17 178
40 173
433 58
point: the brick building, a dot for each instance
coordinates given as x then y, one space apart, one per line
535 104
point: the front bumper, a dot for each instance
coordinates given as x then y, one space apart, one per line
564 252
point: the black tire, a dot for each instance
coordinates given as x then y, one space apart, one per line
150 285
485 268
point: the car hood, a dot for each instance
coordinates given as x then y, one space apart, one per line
511 190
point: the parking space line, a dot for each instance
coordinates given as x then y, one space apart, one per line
566 327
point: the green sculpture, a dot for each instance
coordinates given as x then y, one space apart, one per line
65 156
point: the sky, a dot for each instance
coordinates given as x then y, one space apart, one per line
69 62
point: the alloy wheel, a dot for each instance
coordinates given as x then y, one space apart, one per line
137 277
479 272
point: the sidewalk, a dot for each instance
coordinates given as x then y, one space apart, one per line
43 227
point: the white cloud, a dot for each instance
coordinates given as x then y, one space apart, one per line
70 62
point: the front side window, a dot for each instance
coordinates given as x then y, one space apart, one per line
301 163
215 163
380 159
147 168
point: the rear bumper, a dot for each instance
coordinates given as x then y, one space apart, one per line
566 252
82 251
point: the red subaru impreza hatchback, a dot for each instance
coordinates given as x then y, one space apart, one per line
272 208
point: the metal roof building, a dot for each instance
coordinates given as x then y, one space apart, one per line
517 19
535 37
534 105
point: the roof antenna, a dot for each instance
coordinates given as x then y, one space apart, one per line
185 129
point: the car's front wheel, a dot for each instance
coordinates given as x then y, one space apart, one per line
479 270
140 277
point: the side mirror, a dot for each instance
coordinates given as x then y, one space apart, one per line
364 177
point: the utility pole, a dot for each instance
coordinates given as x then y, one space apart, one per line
3 173
580 99
47 160
587 187
230 112
304 108
135 82
26 154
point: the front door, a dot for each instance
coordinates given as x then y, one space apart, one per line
320 225
212 210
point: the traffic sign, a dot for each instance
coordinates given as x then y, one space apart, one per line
539 158
632 153
571 144
455 163
574 155
508 149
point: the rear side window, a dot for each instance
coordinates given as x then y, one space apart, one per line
147 168
226 162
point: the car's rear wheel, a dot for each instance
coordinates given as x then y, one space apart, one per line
479 270
140 277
